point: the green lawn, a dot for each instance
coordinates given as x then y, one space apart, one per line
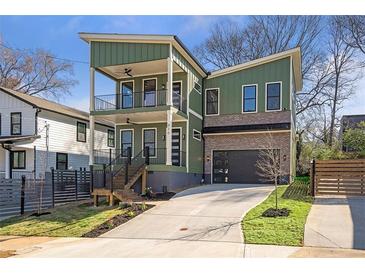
280 230
67 221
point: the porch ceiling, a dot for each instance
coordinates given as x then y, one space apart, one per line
139 69
140 117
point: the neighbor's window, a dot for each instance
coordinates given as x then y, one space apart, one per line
18 159
149 140
197 135
212 101
126 141
81 132
273 93
16 123
249 98
61 161
111 138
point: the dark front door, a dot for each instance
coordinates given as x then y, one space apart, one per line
176 147
235 166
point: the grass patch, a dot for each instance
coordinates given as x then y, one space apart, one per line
64 221
280 230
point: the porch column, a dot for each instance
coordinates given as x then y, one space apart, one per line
7 164
117 94
169 112
92 121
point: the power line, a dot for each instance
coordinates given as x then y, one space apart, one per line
49 56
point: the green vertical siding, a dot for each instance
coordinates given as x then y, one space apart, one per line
115 53
195 147
230 85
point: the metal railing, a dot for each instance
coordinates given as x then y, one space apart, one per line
138 99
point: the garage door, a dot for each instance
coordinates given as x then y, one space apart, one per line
235 166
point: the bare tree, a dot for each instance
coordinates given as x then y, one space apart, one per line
345 70
35 73
354 29
269 164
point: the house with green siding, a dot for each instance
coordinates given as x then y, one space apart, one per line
176 124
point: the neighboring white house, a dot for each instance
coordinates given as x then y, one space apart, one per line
37 135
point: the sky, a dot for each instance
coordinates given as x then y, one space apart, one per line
59 35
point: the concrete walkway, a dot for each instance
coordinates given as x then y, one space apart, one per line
199 222
336 222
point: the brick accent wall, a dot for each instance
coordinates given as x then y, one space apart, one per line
248 118
246 142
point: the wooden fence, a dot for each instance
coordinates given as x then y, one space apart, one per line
26 195
338 177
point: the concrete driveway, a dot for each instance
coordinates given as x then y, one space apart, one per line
203 221
336 222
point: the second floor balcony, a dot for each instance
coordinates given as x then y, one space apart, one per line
138 100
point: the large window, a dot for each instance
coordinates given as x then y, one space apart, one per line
273 96
81 132
212 102
61 161
126 141
16 123
149 140
18 159
249 94
149 92
127 94
111 138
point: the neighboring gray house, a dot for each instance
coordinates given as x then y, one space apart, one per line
36 135
350 121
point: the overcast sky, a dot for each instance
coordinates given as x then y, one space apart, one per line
59 34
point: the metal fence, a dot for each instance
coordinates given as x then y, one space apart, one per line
18 196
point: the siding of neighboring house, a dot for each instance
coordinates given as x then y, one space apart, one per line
115 53
9 104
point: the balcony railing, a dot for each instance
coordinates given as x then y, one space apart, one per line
135 100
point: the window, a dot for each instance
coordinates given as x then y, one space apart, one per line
18 159
198 87
249 94
149 92
149 140
212 102
127 94
197 135
81 132
111 138
273 94
126 141
61 161
16 123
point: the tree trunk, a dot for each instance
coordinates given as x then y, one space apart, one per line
333 112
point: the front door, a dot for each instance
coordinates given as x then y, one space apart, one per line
176 147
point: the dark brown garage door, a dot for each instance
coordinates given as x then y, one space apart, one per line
235 166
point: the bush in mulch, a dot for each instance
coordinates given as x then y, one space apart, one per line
162 196
273 212
132 211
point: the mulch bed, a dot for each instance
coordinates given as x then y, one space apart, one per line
132 211
272 212
163 196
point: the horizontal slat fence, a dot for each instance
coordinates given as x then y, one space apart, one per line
339 177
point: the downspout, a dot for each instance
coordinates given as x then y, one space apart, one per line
202 135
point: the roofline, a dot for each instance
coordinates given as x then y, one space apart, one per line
295 52
51 110
149 38
353 115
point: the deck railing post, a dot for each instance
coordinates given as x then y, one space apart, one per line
313 178
22 195
110 156
104 175
91 179
129 155
76 190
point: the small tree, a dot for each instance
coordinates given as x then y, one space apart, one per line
354 138
269 164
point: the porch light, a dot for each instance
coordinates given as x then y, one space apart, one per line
208 158
163 86
183 136
284 157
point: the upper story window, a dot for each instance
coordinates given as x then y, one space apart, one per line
127 94
249 98
273 96
18 159
16 123
111 138
212 101
149 92
81 132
